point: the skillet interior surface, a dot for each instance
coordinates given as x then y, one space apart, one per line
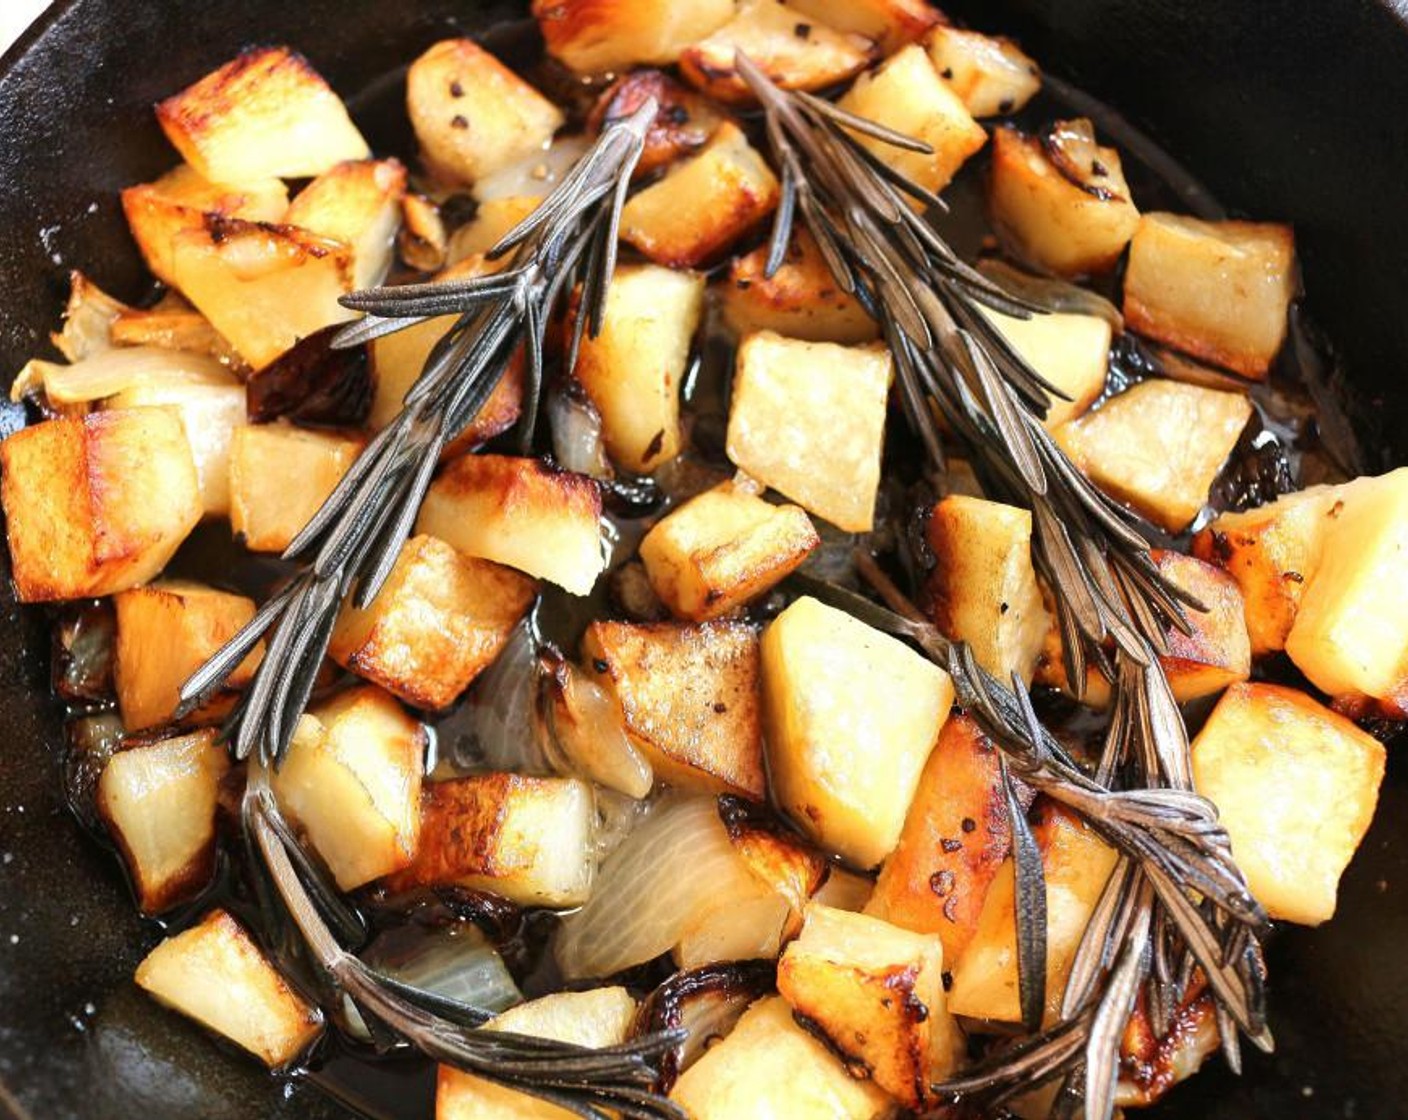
1295 117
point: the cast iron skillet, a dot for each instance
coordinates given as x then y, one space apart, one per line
1290 111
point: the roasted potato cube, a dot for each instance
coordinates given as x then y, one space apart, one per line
597 36
423 242
792 869
1273 552
179 200
358 204
264 115
852 715
528 839
983 588
1158 446
717 551
907 95
786 393
991 74
1077 864
689 695
769 1066
703 204
1295 785
492 219
523 513
1048 217
1350 636
438 623
263 287
279 478
351 781
597 1018
876 991
1216 651
801 300
955 838
96 504
793 50
473 115
215 974
165 632
747 929
633 369
1071 351
1216 290
158 802
683 122
889 23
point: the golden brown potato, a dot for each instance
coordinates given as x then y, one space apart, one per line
473 115
351 781
714 553
279 478
889 23
795 51
215 974
852 715
1151 1065
747 929
1072 352
1216 290
165 632
991 74
684 120
597 36
703 204
264 115
785 392
493 218
158 801
438 623
1216 651
528 839
801 300
1293 833
633 369
907 95
1158 446
520 512
795 871
423 242
1070 221
359 204
955 838
690 699
96 504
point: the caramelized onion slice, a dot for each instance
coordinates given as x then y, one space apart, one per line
1073 151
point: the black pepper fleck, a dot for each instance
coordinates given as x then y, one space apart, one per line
803 31
946 73
720 707
969 824
1006 105
948 980
941 882
456 90
1098 169
1004 608
950 845
677 115
600 666
458 121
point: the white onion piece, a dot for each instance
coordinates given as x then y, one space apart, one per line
1053 294
114 371
456 961
576 435
587 729
88 320
535 176
675 867
500 727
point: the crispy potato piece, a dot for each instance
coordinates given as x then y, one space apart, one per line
264 115
1151 1065
907 95
1293 833
438 623
358 204
793 870
493 218
1158 446
991 74
689 695
683 122
158 802
165 632
597 36
714 553
793 50
876 992
520 512
423 241
1071 351
703 204
748 929
528 839
983 587
785 393
279 477
955 838
473 115
215 974
351 780
889 23
1216 290
96 504
852 715
801 300
633 369
1053 222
